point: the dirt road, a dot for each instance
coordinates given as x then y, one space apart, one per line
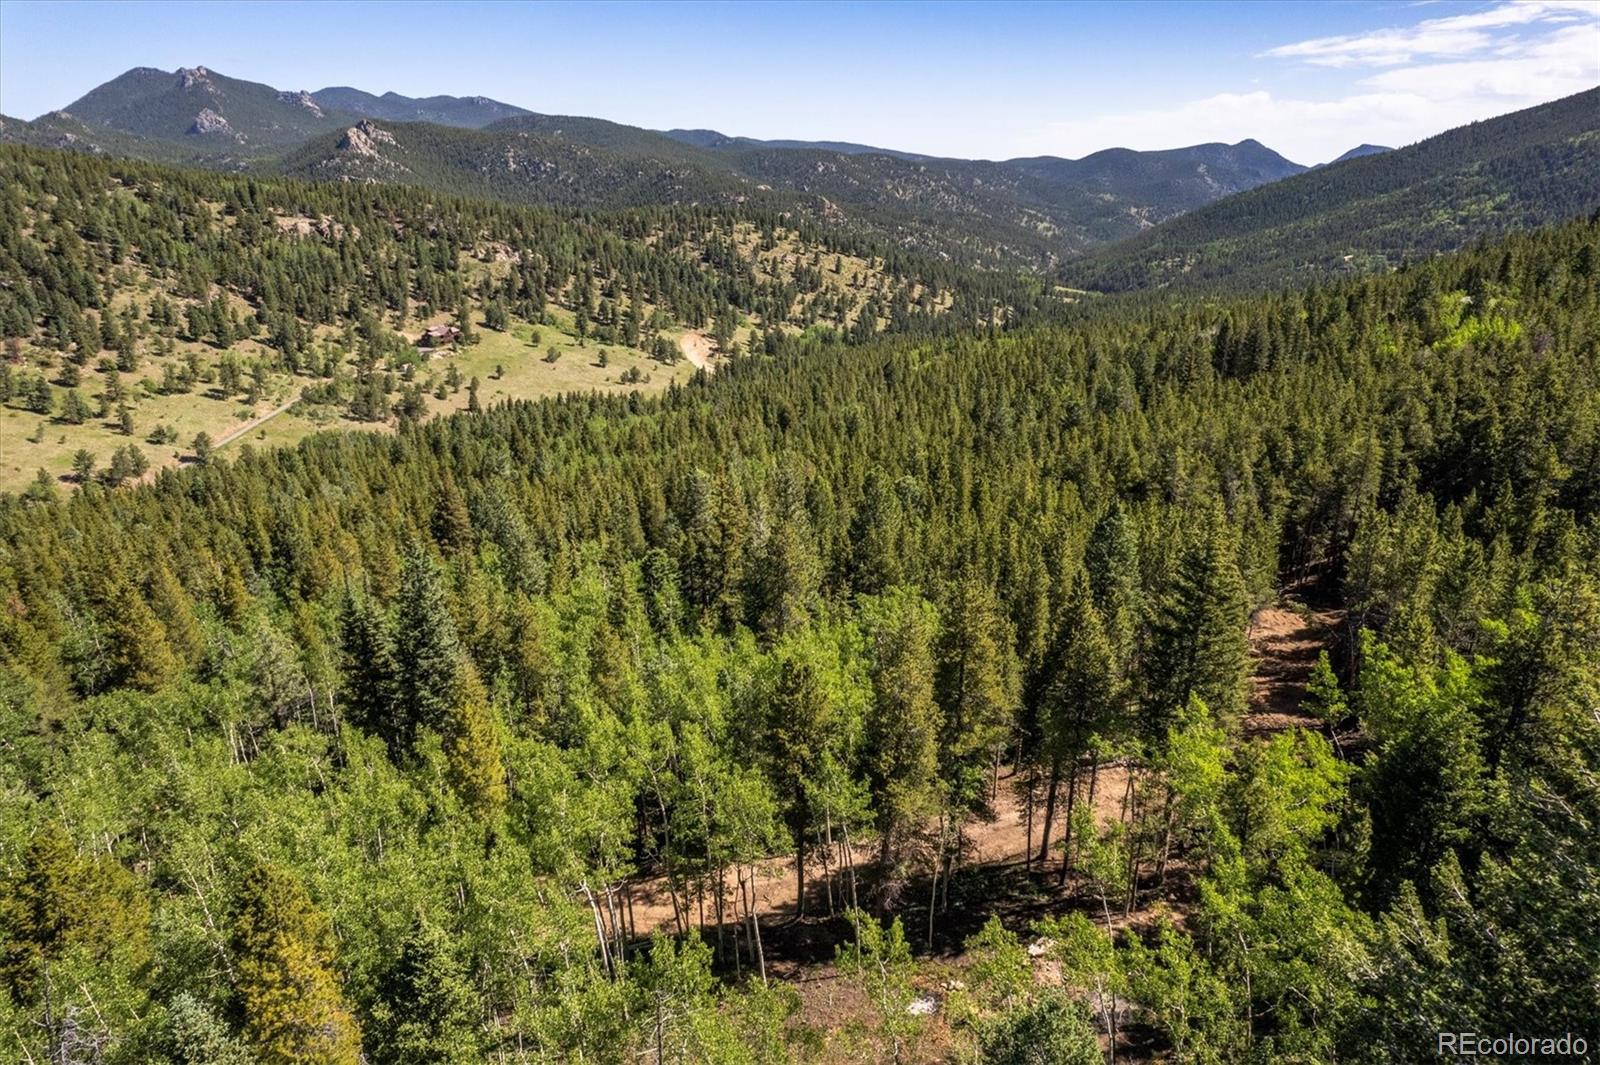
254 423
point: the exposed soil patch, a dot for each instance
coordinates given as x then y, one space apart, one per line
697 348
1285 639
994 875
997 848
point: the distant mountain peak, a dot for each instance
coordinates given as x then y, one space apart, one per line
1362 150
1373 205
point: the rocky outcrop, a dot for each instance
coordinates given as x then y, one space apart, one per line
195 77
301 99
210 124
363 139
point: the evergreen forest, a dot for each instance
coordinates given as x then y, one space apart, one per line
701 725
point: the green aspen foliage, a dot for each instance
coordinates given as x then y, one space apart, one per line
611 727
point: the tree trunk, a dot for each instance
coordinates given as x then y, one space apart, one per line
627 898
1166 839
1066 835
755 930
850 858
827 849
679 922
599 929
1094 781
1111 1014
1027 850
1127 791
1134 853
740 912
799 875
722 888
933 889
950 866
1049 809
614 914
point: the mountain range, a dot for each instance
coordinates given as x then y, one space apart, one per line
1034 211
1526 168
1118 218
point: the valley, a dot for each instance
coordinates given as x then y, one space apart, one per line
489 587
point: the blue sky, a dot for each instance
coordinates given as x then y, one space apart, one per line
977 80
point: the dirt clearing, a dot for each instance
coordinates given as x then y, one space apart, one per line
698 349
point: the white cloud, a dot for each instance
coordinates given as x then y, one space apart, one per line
1453 36
1559 64
1482 64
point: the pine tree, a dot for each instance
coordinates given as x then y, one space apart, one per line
426 1011
784 573
714 531
1200 646
978 687
60 903
74 408
289 992
452 525
799 727
143 654
43 488
1111 558
427 650
173 605
367 664
1323 699
904 726
197 1036
83 466
1082 700
472 747
874 537
468 335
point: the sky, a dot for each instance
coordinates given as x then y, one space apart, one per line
986 80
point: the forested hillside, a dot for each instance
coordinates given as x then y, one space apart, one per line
201 107
1022 212
151 313
1375 210
385 748
1028 213
469 111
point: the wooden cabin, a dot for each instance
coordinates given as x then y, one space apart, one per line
438 336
